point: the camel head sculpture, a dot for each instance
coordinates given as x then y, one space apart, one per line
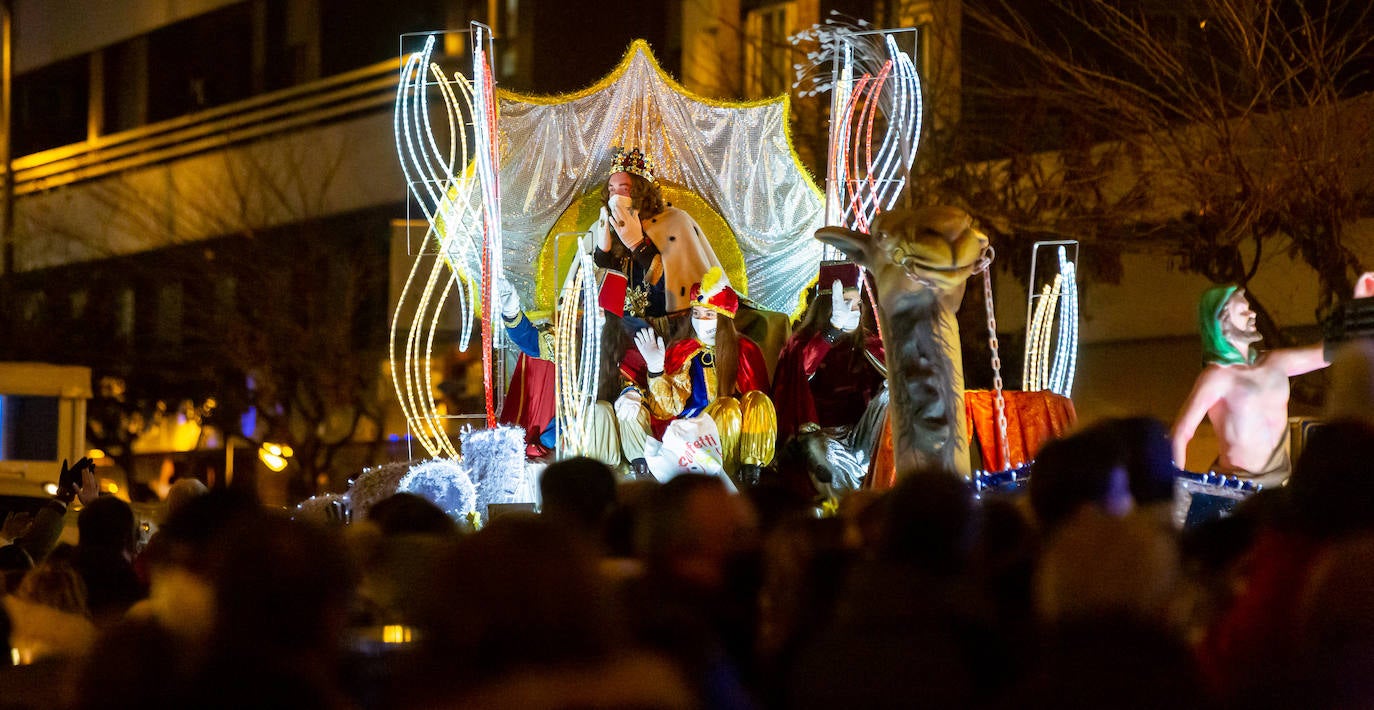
920 259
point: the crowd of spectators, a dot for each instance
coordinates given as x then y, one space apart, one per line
1078 592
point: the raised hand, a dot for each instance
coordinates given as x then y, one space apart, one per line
508 300
842 316
625 222
652 348
602 230
17 523
90 487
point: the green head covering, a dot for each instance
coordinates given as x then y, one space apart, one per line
1216 349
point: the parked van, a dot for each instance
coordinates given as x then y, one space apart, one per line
42 422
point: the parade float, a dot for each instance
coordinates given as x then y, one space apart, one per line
509 185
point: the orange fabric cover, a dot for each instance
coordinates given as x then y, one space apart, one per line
1032 419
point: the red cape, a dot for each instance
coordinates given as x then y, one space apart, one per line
792 391
751 375
529 401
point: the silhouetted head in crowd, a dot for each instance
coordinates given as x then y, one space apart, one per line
282 586
103 556
1331 491
14 564
410 514
1099 566
621 523
1084 468
578 491
775 502
282 593
183 492
1005 554
1335 636
137 664
692 528
55 584
930 521
520 593
186 537
107 523
1145 452
1110 662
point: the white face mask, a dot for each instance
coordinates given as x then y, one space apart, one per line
705 329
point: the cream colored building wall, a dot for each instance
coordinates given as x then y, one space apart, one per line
199 196
53 30
711 35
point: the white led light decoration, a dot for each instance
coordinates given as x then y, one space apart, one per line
453 181
1066 348
875 87
577 355
1051 358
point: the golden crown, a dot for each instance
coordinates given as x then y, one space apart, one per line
633 161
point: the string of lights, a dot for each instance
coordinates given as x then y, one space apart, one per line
1052 337
460 206
885 96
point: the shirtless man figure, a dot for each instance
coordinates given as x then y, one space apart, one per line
1242 392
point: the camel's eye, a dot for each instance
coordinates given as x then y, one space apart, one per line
908 261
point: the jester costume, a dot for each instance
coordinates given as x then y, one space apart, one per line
688 388
688 385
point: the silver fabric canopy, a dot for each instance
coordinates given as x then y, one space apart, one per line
737 156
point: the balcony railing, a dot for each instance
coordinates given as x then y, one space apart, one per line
362 90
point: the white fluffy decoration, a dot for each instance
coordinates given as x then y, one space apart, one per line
495 458
324 508
445 483
493 470
375 485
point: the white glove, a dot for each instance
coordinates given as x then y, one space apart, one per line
1364 286
628 405
651 347
602 230
842 317
509 302
625 222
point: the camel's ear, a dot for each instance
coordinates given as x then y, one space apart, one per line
855 245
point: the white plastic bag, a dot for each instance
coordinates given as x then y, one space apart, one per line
688 446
